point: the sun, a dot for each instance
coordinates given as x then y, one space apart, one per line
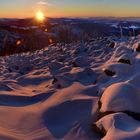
40 16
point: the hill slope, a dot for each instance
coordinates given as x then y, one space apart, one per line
54 93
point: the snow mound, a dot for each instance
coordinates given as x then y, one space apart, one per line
119 126
121 97
80 62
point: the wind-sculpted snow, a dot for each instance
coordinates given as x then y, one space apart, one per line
60 91
119 126
121 97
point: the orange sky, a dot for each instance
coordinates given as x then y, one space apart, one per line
69 8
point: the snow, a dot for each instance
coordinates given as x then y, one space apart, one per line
121 97
119 126
54 93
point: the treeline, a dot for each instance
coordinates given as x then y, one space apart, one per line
22 43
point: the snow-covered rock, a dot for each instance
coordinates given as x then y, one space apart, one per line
121 97
119 126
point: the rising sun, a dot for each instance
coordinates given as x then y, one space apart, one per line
40 16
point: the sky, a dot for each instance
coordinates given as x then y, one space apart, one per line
69 8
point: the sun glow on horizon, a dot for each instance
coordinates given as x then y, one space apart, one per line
40 16
39 9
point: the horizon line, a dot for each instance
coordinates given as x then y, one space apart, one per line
82 17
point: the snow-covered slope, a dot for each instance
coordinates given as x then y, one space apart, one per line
53 93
